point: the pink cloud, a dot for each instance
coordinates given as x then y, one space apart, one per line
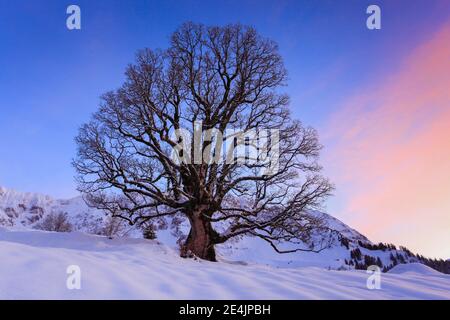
388 151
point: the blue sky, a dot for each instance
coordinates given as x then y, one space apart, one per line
51 78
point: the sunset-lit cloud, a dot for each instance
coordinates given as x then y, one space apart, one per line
388 152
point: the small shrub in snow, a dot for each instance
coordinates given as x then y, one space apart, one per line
148 232
55 221
113 226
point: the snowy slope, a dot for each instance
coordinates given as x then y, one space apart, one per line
257 250
414 268
349 249
20 209
27 210
34 265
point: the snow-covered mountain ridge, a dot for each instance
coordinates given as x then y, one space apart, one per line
348 250
26 210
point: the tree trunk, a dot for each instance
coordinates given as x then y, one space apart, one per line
200 239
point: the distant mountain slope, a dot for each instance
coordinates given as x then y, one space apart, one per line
348 248
25 209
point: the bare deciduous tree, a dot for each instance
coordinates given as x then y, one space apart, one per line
227 78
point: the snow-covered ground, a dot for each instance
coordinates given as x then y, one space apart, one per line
33 265
20 210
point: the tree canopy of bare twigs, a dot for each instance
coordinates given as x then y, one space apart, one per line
221 78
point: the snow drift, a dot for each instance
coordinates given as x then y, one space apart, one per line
33 263
414 268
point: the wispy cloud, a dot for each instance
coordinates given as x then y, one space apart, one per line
388 151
